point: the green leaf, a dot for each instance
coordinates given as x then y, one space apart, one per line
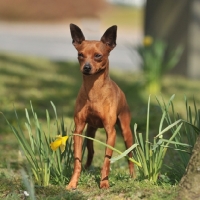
114 159
169 127
147 131
176 143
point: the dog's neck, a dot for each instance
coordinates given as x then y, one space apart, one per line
93 83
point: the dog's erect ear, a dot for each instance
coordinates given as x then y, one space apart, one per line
110 36
77 35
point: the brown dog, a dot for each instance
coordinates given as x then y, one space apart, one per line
100 102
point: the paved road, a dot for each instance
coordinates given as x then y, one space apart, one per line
53 41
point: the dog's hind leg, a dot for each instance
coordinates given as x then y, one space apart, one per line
90 132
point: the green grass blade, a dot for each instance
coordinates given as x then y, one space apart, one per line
147 131
54 108
168 128
174 134
147 122
48 126
124 154
193 126
144 162
23 144
30 136
196 119
141 141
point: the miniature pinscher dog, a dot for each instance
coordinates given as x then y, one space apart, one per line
100 102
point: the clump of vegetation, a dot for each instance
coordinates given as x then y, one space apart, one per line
156 61
150 155
45 165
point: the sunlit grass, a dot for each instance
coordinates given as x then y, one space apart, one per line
122 187
127 17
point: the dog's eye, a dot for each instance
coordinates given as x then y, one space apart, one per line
80 55
97 55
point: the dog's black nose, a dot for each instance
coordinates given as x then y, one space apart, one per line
87 68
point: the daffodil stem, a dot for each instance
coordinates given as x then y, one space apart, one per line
119 152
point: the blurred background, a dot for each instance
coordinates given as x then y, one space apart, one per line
41 28
157 53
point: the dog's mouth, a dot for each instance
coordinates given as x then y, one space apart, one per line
92 73
86 73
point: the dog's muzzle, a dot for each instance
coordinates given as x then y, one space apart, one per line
87 68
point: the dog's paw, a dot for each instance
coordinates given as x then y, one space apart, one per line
71 186
104 184
134 176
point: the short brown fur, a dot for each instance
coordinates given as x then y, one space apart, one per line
100 102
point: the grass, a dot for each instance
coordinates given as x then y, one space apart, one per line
124 16
27 78
122 188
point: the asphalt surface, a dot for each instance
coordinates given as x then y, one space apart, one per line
53 41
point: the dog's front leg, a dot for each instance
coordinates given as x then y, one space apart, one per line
111 136
77 156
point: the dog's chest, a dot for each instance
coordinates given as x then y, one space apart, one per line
94 115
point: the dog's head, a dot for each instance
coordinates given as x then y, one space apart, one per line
93 55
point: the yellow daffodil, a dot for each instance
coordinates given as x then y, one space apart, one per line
147 41
59 142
